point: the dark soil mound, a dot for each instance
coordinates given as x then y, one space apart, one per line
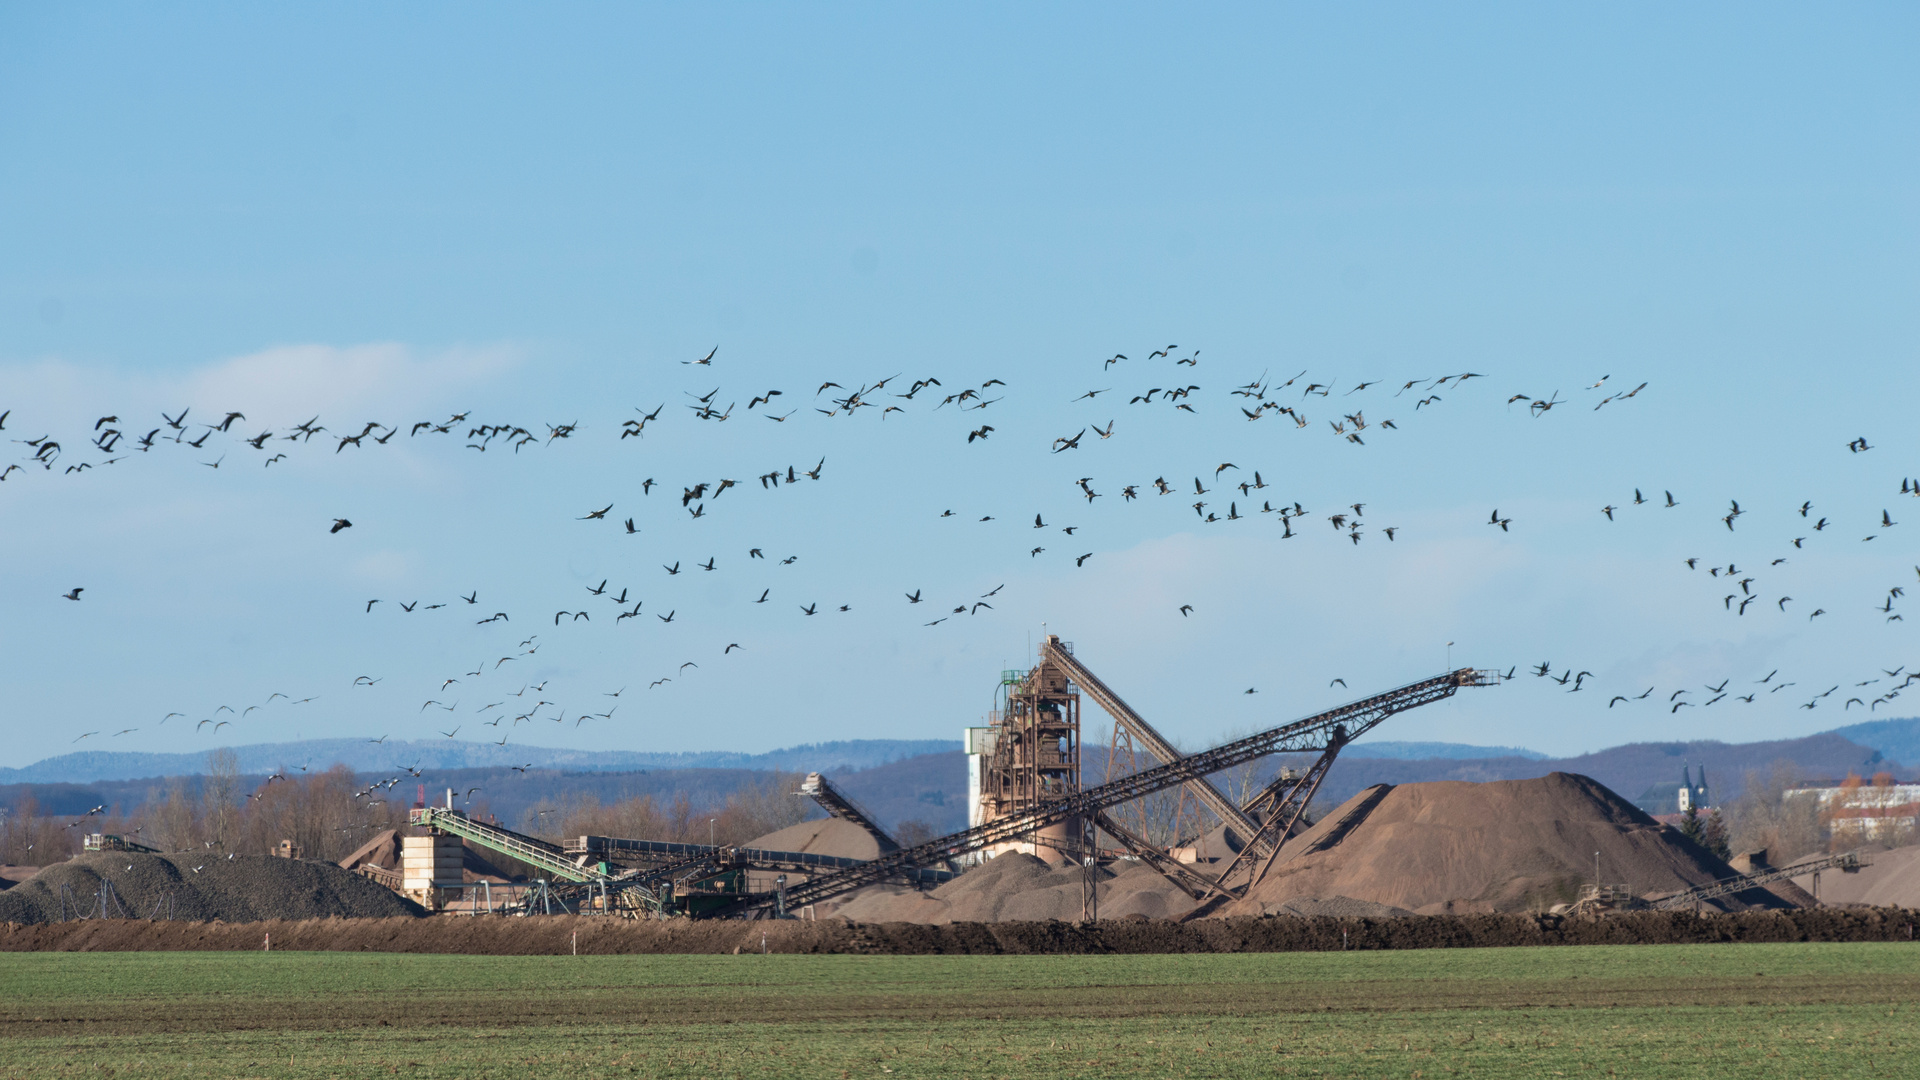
556 935
244 888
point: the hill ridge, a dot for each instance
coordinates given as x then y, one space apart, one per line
363 755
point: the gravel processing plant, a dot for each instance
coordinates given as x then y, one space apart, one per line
1154 839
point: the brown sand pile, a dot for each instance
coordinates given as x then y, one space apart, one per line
244 888
1508 845
828 836
1892 881
1021 888
1337 907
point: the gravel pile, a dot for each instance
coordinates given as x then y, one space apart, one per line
1892 880
1336 907
1452 847
827 836
244 888
1021 888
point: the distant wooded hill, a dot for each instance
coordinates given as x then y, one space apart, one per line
365 755
927 781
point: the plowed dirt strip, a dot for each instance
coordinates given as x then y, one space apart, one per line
550 935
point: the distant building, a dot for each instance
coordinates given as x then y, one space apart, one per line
1857 810
1676 798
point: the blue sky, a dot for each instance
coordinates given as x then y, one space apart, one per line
393 215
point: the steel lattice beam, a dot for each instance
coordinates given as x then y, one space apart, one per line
1313 733
1144 734
835 802
1847 861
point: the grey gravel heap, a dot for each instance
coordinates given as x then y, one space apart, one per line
243 888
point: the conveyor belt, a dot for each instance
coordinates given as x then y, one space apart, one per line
1313 733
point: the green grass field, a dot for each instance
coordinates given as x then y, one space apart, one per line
1637 1011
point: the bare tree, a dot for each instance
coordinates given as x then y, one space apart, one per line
174 825
913 832
218 795
1765 817
761 808
29 839
318 813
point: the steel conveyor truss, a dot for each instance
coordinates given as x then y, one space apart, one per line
1283 803
530 850
680 861
1314 733
1144 735
1847 862
835 802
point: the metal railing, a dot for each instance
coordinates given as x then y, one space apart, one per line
529 850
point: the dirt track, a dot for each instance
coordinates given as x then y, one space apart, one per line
555 934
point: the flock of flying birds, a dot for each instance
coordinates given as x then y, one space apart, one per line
1719 693
1344 413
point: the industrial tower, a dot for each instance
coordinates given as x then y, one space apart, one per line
1030 757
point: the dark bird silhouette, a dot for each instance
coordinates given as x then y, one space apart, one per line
809 609
981 433
596 515
338 524
74 595
1186 610
1079 559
